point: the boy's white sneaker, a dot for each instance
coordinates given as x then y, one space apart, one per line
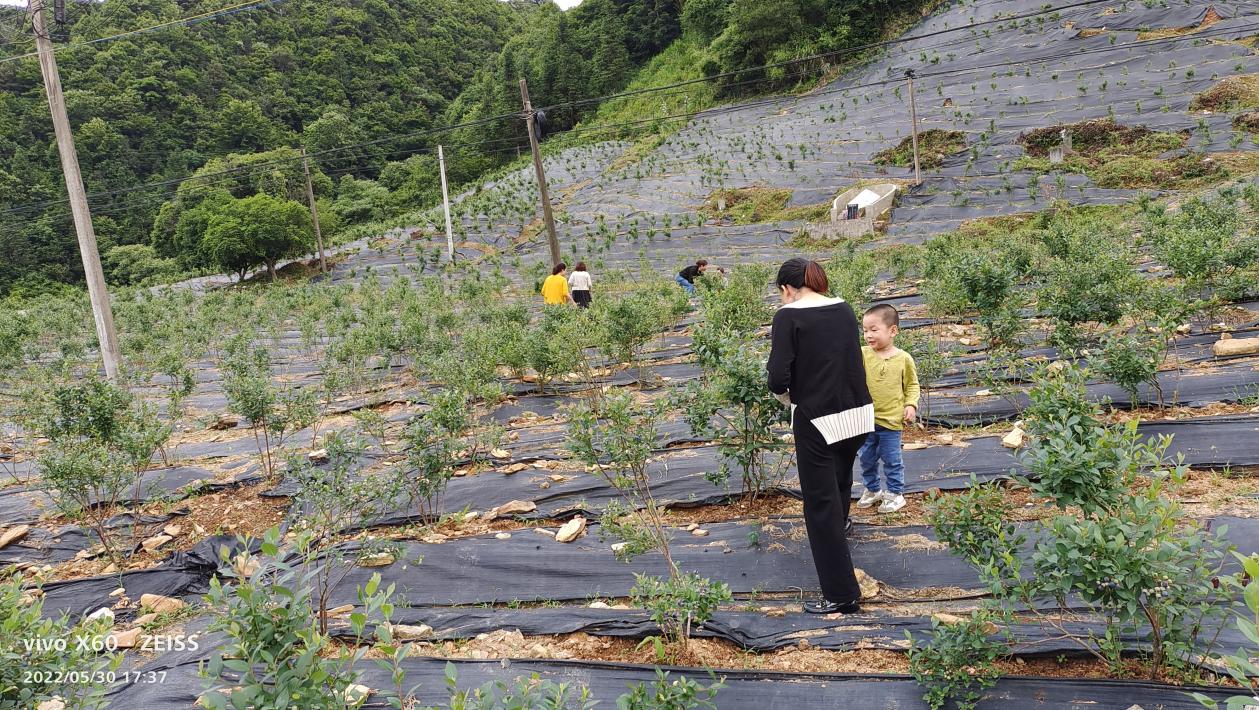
869 498
892 503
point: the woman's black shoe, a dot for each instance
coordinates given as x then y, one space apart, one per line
822 606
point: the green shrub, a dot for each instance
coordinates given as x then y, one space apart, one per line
929 359
731 405
1120 543
335 497
983 283
629 322
1132 360
433 444
681 693
1088 277
273 413
278 655
1204 244
102 440
38 653
1240 666
555 345
851 275
958 661
679 603
137 265
616 443
736 304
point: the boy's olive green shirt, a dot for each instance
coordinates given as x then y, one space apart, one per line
893 385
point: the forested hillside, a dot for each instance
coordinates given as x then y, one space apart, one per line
155 106
366 80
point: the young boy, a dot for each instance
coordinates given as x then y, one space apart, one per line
893 382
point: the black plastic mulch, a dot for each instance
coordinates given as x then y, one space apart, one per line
531 566
745 690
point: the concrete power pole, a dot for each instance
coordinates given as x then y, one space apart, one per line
913 118
450 232
537 167
97 292
314 212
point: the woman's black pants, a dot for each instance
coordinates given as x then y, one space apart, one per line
826 484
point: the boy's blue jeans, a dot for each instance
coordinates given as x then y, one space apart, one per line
883 445
687 285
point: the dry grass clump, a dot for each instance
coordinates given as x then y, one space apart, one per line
1232 93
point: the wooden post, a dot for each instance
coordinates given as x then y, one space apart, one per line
97 291
314 212
913 119
450 232
537 168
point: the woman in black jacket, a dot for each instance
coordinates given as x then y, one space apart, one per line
815 367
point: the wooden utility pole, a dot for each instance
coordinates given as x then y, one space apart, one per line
450 233
913 119
97 292
314 212
537 167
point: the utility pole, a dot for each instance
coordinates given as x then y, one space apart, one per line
913 118
314 212
537 167
97 292
450 233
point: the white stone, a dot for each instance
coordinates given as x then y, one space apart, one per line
161 604
1014 439
155 542
102 613
571 530
408 632
1222 348
380 559
515 507
127 639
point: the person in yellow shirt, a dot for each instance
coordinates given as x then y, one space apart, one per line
555 288
892 380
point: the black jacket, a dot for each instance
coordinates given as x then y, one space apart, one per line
816 356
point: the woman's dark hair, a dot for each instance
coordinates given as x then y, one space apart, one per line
581 266
799 273
702 262
558 268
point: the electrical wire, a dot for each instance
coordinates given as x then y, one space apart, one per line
828 55
185 21
579 129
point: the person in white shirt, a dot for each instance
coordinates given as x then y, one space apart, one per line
579 283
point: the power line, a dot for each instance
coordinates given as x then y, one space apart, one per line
704 113
828 55
185 21
280 161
